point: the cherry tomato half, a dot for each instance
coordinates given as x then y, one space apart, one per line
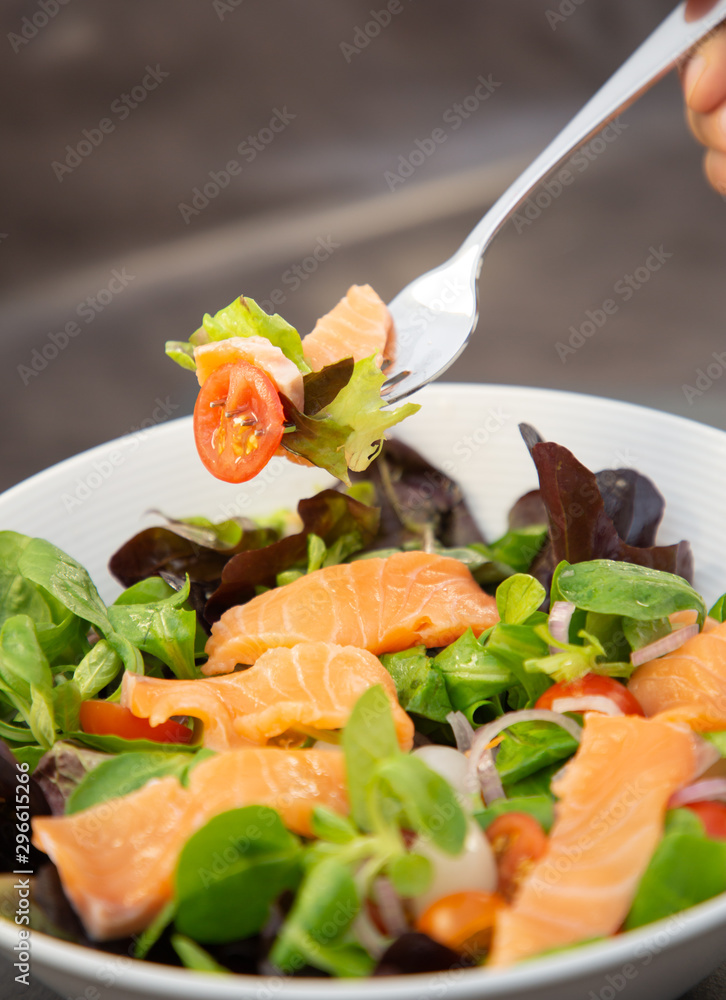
589 685
463 921
107 718
713 817
238 421
517 840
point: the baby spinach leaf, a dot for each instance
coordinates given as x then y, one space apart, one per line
514 646
528 747
162 629
621 588
609 630
331 826
99 667
314 932
231 871
41 717
194 957
419 683
368 738
686 868
410 874
122 775
473 676
718 611
427 801
151 934
18 595
23 663
65 579
542 807
518 597
119 745
63 642
66 700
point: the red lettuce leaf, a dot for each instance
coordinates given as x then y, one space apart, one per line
328 514
604 516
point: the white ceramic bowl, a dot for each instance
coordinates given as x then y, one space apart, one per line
90 504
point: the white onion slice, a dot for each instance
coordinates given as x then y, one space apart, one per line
463 730
587 703
481 760
452 765
666 644
700 791
368 934
559 622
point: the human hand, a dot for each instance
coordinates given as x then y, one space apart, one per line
704 85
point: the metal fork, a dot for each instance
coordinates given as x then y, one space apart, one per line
436 313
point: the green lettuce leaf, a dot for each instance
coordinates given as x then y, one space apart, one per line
244 318
348 432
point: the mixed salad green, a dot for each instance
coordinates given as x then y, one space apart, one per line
340 903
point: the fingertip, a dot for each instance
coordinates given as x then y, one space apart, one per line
714 165
694 70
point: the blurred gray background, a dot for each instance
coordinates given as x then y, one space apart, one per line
114 114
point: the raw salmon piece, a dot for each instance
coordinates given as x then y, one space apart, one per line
313 684
258 351
613 797
358 326
382 605
689 684
116 860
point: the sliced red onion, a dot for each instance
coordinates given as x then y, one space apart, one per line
463 730
367 934
699 791
559 622
481 760
664 645
390 908
706 755
587 703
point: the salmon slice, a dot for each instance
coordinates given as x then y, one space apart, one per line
116 860
315 684
358 326
613 797
284 373
382 605
689 684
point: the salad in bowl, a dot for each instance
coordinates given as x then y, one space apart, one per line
362 737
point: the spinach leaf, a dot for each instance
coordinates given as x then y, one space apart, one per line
122 775
686 868
100 666
541 807
18 595
528 747
66 580
22 661
718 611
162 629
220 902
368 738
119 745
194 957
514 646
518 597
426 800
315 930
420 685
621 588
473 676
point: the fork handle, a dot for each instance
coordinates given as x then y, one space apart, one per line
658 54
